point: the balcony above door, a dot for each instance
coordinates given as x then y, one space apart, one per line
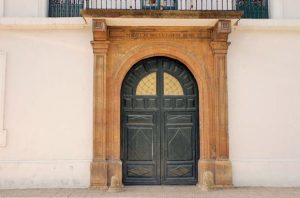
207 9
160 8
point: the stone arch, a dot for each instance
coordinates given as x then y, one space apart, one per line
196 66
174 53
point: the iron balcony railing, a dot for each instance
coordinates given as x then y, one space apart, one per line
258 9
71 8
65 8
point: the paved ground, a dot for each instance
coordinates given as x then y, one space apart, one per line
160 192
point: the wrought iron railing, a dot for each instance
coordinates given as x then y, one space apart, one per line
253 8
71 8
161 4
65 8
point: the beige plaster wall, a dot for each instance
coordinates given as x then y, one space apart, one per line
264 107
48 108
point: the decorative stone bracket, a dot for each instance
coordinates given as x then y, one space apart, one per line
202 50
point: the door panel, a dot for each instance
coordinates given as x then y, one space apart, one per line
179 144
175 171
140 171
176 118
141 162
140 143
159 124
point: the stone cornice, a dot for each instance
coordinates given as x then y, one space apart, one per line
178 14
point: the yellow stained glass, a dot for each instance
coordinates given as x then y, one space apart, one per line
172 86
147 86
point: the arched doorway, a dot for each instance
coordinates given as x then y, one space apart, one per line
159 123
203 50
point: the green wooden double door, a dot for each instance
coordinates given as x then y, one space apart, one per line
159 118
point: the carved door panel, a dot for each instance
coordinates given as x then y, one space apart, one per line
159 124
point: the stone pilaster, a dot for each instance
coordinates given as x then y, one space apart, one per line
99 165
223 173
219 46
218 165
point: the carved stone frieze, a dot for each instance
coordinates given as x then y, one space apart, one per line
158 33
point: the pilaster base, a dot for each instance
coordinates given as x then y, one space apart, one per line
115 185
114 170
223 173
214 174
99 174
206 170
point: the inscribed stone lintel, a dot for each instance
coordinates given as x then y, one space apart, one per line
157 33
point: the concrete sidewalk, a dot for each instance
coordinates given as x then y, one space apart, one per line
159 191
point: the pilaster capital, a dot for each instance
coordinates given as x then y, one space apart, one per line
100 32
219 44
219 47
100 47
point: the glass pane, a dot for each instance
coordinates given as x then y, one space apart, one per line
172 86
147 86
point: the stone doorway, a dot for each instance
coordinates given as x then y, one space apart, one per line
202 50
